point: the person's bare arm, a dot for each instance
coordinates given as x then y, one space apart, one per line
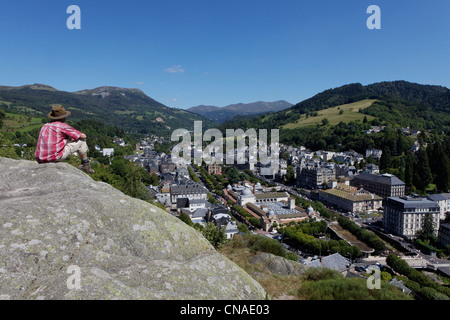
82 137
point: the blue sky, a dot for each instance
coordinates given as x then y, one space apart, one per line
185 53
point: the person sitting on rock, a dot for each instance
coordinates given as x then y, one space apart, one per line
53 143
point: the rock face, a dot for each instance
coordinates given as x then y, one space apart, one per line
65 236
278 265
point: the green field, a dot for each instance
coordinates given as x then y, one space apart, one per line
22 123
350 113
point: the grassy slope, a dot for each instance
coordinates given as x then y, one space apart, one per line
351 113
276 286
21 123
302 287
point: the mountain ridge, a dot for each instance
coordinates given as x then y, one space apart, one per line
131 109
221 114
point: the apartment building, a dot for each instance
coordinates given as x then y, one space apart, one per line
384 185
405 216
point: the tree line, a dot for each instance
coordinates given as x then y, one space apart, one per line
422 287
303 236
364 235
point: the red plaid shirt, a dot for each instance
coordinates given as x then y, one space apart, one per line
52 140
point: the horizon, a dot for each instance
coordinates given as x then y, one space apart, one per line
220 107
187 55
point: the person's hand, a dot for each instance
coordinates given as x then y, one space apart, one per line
83 136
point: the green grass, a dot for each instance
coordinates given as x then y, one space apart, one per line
124 112
351 113
323 284
16 122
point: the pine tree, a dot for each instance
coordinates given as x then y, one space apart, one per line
428 228
422 172
440 167
409 169
394 150
386 159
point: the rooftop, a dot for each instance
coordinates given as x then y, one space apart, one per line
410 202
199 201
387 179
271 195
279 208
437 197
334 262
351 193
188 188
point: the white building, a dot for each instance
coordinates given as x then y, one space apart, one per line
405 216
108 152
442 201
190 191
246 196
231 229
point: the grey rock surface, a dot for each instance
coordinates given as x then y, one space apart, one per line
278 265
66 236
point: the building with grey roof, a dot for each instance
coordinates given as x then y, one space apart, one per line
350 198
405 216
399 284
312 177
334 262
231 229
442 201
384 185
190 191
200 216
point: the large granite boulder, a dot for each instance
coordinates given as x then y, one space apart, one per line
66 236
278 265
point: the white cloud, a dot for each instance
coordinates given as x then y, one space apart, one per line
174 69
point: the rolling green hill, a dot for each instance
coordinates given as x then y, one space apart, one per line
130 109
416 102
343 113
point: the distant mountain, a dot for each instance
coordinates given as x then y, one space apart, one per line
129 109
222 114
35 86
418 102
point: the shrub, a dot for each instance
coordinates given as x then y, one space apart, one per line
316 274
326 284
215 235
366 236
254 221
291 256
386 276
264 244
427 293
